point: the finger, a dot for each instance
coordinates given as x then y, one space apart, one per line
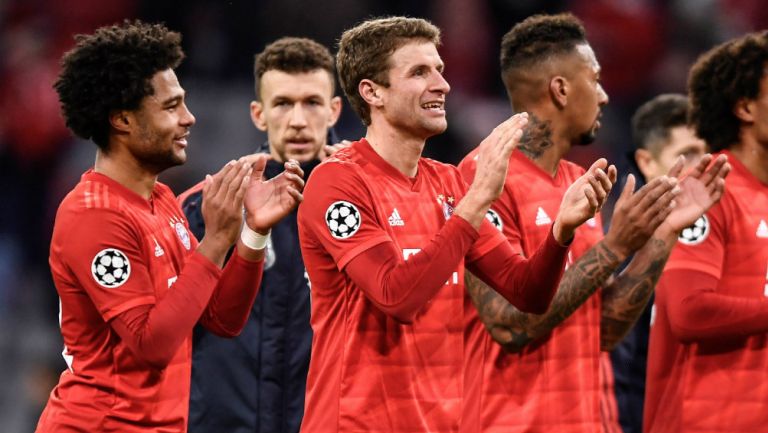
613 174
600 164
627 192
650 192
597 187
295 194
713 172
258 165
656 205
235 185
240 193
294 167
605 182
701 167
594 203
218 179
207 185
660 216
677 167
295 180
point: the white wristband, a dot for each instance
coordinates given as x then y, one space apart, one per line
252 239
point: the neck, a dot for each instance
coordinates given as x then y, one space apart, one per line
754 156
542 145
399 149
126 172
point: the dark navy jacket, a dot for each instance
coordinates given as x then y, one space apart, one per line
256 381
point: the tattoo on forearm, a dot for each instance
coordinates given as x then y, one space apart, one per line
514 329
537 137
627 297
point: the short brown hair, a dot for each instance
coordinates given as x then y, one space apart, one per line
292 55
653 122
365 50
718 80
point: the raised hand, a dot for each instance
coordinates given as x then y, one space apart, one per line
329 150
268 201
638 214
700 189
492 163
584 198
222 208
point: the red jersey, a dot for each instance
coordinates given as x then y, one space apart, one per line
369 372
712 381
553 384
111 251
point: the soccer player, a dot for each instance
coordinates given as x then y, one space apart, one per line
256 382
131 279
661 135
708 350
385 235
541 372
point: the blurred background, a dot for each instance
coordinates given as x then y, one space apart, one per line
645 48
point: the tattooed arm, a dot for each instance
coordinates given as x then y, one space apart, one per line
636 216
626 297
514 329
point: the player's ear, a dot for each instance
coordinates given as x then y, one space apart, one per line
558 91
335 111
745 110
257 115
121 120
371 92
645 163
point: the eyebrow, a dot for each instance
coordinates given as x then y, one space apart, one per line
173 100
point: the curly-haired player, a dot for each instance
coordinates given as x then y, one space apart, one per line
132 280
708 348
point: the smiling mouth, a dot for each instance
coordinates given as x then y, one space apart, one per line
435 106
181 140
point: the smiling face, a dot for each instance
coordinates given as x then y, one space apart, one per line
414 102
587 97
296 110
163 121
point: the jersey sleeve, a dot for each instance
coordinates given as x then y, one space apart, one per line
104 254
701 247
339 214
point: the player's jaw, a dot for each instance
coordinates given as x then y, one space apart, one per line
589 136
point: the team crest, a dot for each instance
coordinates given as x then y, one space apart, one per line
183 234
696 233
343 219
446 204
494 218
111 268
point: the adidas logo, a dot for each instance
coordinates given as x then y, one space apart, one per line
762 230
395 220
158 249
542 218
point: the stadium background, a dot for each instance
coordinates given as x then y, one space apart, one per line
644 46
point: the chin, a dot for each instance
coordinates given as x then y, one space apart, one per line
587 138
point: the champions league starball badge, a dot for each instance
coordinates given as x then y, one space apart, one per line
696 233
110 268
494 218
343 219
